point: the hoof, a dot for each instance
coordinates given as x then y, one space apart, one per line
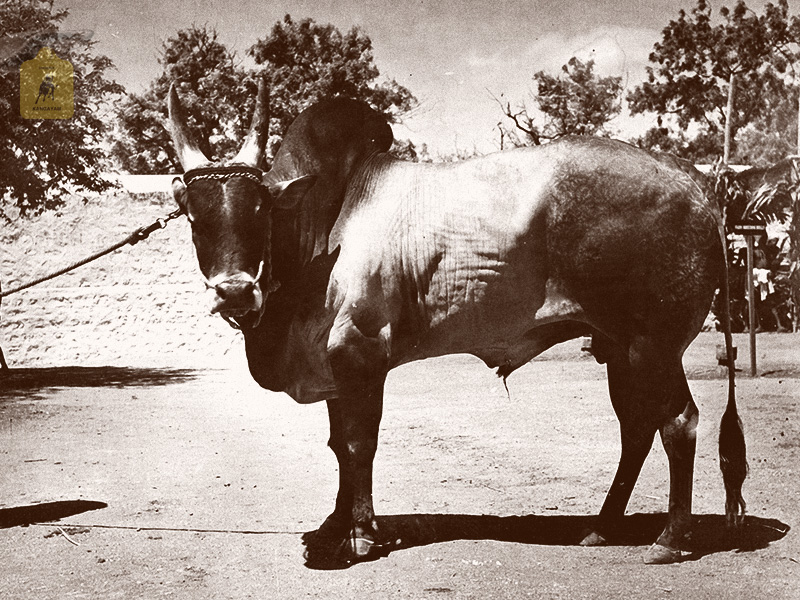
661 555
332 530
359 549
346 553
331 549
594 539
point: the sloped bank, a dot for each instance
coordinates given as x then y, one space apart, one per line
140 306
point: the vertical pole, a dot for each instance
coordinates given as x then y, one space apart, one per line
798 124
793 285
751 302
3 363
726 153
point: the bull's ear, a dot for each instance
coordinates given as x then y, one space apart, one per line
179 192
286 194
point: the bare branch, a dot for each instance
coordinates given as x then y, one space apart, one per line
530 130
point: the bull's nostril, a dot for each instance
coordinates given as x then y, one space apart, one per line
234 289
236 297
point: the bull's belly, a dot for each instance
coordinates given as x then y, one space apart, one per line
506 325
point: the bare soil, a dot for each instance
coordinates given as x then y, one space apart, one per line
152 482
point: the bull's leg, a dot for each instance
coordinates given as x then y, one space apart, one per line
337 524
636 440
350 533
649 392
679 437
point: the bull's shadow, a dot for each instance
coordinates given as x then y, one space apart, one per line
31 383
709 534
46 512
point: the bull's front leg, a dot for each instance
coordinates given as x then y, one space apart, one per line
359 366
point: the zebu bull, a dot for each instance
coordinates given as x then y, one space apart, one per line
341 263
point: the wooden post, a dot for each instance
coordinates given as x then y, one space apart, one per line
726 152
751 302
3 363
798 124
793 285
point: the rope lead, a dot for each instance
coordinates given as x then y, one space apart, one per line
134 238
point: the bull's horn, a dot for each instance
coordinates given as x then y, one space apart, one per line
252 151
189 153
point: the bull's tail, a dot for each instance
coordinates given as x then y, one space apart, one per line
732 447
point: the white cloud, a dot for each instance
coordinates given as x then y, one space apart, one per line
616 51
466 116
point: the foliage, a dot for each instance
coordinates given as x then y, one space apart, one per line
773 135
302 61
779 201
794 259
704 147
306 62
576 102
43 160
765 195
694 62
215 91
409 151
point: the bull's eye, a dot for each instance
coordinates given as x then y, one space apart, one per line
198 227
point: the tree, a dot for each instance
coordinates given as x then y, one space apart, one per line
303 62
306 62
772 136
215 92
42 160
577 102
715 76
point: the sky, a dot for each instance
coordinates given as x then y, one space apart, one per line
456 56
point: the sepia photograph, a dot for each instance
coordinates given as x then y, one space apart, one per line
404 299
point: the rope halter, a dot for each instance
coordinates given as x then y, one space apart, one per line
223 174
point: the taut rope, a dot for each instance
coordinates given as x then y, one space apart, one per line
134 238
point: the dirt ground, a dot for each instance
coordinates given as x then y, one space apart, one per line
156 483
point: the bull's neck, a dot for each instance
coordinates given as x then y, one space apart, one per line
286 351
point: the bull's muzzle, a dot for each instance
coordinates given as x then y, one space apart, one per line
236 296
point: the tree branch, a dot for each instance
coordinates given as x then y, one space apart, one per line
530 130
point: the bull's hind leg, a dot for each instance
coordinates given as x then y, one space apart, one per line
679 436
636 437
649 392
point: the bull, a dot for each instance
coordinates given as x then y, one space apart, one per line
341 262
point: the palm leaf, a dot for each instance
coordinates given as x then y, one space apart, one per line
773 201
